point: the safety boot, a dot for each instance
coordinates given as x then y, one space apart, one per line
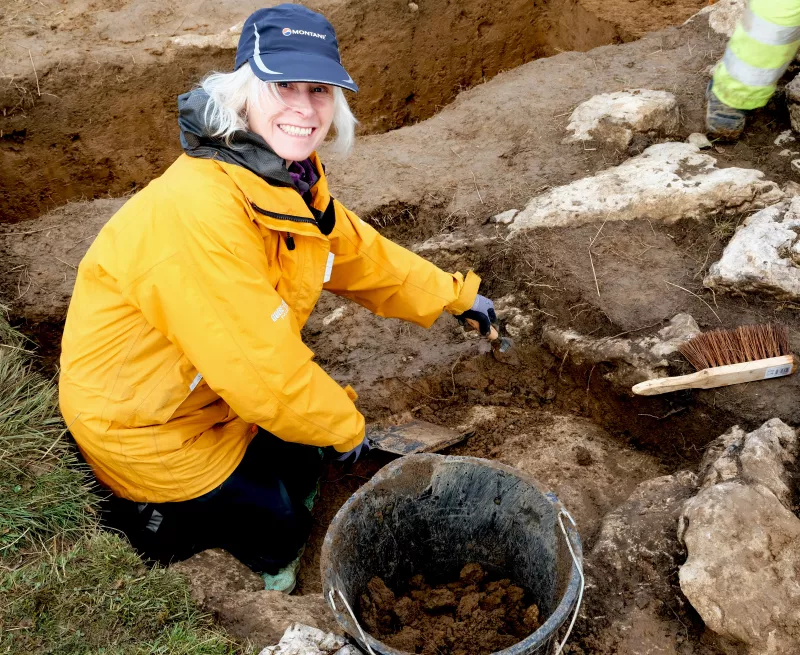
722 121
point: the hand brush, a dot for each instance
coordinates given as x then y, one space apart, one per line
722 357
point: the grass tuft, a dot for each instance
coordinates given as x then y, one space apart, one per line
44 493
66 586
99 597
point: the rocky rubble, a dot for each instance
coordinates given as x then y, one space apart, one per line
793 101
614 118
667 182
634 359
302 639
763 255
723 15
636 554
741 537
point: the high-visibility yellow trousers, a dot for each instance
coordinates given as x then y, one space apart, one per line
759 52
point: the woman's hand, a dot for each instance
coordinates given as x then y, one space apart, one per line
482 312
352 456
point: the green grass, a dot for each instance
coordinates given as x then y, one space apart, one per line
67 586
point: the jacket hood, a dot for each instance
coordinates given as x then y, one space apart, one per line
246 149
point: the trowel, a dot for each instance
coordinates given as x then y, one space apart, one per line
502 347
413 437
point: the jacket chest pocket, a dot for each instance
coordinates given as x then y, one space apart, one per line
303 270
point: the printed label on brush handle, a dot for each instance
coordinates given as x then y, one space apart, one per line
778 371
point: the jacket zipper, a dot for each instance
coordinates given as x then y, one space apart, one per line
283 217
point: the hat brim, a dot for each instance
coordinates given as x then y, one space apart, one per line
297 67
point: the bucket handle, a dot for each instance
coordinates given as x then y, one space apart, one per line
352 616
579 566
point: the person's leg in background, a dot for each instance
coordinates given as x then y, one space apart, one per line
760 50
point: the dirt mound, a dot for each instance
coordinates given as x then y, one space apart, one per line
85 122
471 616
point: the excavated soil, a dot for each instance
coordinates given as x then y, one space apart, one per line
96 121
473 615
88 88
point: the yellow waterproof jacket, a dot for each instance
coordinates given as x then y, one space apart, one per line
183 332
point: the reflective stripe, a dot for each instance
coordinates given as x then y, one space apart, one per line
750 75
737 95
758 54
257 57
767 32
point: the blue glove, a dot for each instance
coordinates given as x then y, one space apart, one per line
483 312
355 453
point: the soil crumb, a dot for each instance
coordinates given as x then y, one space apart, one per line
474 615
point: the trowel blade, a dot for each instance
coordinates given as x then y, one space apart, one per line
413 437
504 351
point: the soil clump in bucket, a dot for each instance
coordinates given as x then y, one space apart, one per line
474 615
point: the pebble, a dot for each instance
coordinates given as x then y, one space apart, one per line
784 137
504 218
699 140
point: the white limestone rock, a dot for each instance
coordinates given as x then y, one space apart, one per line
667 182
793 102
741 538
302 639
763 255
614 118
791 188
334 316
515 319
784 137
504 218
723 15
633 360
637 554
227 39
699 140
450 241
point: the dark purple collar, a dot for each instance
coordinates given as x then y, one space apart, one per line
304 175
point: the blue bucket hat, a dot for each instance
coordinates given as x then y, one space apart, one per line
291 43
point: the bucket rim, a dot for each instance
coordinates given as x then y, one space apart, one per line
530 644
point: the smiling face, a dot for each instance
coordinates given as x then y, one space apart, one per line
295 122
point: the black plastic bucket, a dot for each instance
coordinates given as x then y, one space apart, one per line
432 514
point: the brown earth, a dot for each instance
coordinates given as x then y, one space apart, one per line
473 615
102 123
88 87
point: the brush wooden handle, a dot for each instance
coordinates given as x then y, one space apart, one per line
721 376
493 334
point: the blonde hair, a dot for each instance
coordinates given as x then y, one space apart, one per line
230 95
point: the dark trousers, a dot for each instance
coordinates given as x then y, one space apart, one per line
257 514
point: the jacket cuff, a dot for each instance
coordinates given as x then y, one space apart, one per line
349 445
466 298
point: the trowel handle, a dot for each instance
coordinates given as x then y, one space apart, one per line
493 334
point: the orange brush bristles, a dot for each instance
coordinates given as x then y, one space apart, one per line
746 343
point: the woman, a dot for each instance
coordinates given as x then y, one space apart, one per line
184 379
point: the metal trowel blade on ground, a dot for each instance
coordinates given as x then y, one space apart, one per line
413 437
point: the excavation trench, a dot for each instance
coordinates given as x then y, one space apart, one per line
105 124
